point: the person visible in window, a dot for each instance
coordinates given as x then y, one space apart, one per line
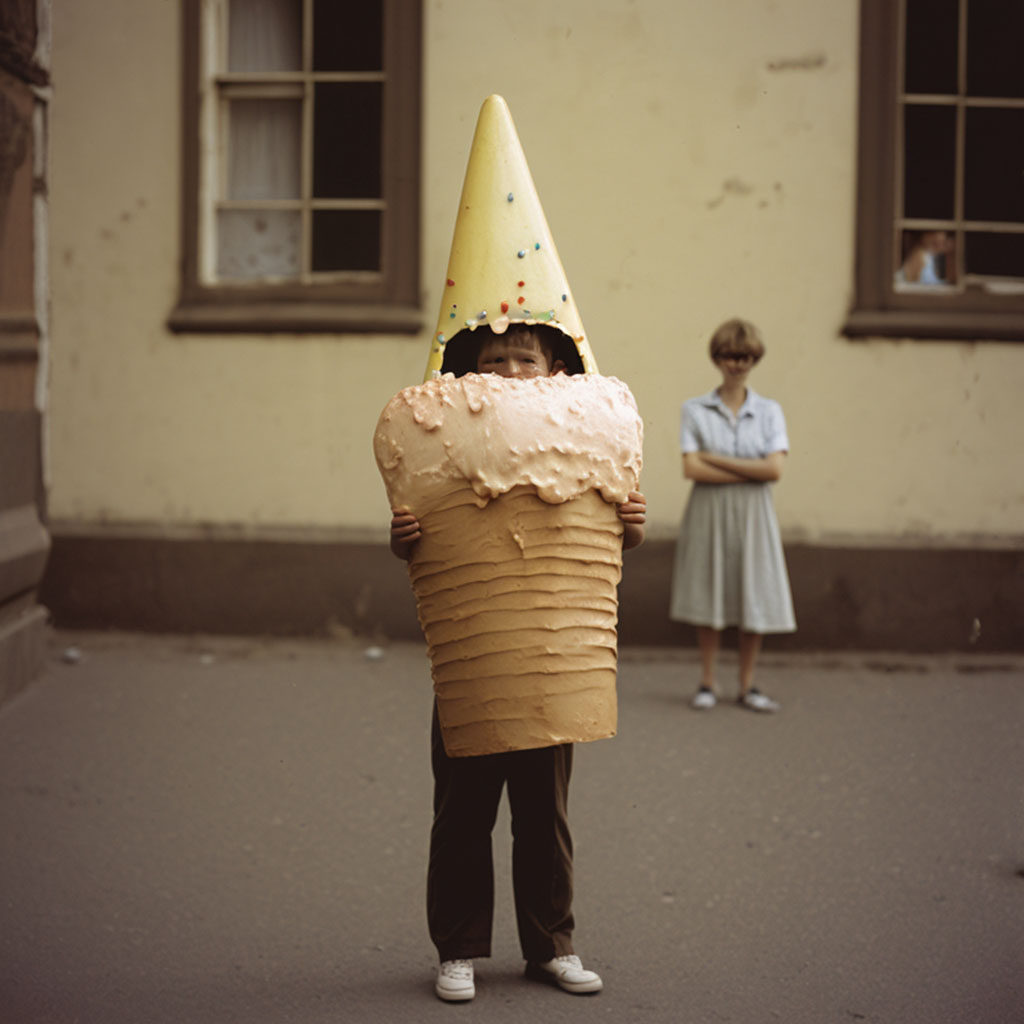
729 565
467 790
925 257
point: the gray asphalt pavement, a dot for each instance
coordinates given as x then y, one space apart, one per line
210 831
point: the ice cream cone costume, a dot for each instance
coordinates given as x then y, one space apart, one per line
514 483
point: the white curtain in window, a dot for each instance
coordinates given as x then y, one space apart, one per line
265 35
258 244
264 148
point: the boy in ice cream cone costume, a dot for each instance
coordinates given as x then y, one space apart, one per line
512 472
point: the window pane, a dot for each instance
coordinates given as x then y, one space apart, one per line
347 140
995 48
346 240
264 149
265 35
347 37
994 254
994 165
932 29
929 161
258 243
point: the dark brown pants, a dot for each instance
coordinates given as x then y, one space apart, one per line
460 876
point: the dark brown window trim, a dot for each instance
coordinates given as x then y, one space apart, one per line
310 317
941 326
878 309
388 303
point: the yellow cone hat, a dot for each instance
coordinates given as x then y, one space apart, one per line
503 266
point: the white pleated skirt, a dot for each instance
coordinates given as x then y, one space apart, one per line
729 566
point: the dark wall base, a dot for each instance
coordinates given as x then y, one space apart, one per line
22 648
892 599
924 600
227 586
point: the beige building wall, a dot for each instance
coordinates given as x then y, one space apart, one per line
696 161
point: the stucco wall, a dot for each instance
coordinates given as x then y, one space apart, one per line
695 161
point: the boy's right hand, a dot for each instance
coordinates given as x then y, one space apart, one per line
405 531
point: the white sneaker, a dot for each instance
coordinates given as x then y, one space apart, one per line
758 701
568 973
704 699
455 981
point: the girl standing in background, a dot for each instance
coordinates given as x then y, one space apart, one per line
729 566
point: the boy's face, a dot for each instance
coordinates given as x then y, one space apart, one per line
519 355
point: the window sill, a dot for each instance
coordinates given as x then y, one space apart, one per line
293 318
941 325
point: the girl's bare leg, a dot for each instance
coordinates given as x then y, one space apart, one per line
708 640
750 647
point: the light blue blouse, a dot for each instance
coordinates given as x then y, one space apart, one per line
708 425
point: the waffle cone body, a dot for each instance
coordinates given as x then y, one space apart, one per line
518 603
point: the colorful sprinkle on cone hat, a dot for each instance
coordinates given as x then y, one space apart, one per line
504 267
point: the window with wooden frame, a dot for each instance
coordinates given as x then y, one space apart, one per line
940 209
302 157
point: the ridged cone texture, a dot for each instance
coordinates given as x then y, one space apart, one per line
518 603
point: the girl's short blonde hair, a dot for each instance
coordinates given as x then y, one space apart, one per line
737 336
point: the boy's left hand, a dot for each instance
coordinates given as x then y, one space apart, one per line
633 509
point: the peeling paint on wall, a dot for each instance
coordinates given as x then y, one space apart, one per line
807 62
739 187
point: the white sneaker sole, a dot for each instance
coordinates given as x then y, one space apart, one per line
581 988
458 996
